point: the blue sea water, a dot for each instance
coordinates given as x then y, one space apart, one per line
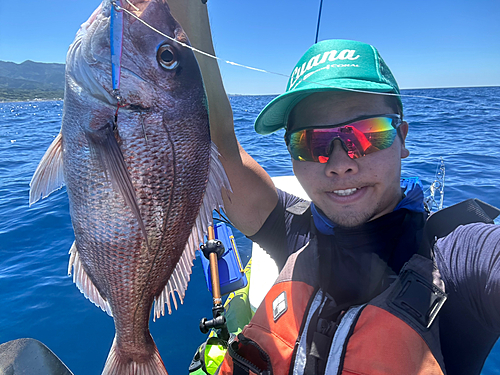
39 300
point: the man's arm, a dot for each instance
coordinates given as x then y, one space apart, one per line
254 195
469 261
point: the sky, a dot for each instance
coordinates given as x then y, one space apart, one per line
426 43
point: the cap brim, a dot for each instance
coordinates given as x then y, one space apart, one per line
275 115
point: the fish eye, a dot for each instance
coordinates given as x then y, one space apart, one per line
166 57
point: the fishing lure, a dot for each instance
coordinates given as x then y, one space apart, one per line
116 38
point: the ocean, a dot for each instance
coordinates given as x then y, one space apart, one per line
39 300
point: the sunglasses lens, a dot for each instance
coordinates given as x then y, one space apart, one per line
359 138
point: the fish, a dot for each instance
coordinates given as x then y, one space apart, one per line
140 170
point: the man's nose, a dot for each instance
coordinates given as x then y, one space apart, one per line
339 163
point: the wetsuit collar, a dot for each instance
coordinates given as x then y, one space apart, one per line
413 200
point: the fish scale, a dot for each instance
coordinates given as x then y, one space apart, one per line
137 187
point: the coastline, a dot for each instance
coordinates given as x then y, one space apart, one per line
14 96
23 95
31 100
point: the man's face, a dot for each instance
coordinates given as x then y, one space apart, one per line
349 191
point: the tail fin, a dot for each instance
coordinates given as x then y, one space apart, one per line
117 364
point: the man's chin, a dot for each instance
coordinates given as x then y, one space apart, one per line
349 217
350 221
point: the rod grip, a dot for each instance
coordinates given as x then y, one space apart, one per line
214 271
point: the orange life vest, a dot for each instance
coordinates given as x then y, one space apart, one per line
396 333
384 336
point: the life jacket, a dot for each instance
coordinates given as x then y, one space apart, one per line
299 329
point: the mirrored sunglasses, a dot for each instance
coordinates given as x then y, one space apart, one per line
359 137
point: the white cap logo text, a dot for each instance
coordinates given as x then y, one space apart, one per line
299 71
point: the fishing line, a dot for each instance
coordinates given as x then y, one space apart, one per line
192 48
132 5
288 76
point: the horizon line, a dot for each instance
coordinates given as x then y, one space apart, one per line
276 94
407 88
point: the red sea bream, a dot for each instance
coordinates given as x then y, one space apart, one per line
142 182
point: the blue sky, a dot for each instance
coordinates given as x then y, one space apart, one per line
439 43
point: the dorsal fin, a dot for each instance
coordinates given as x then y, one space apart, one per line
212 199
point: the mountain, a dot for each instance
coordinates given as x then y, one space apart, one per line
31 80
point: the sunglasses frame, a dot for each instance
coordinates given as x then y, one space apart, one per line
396 123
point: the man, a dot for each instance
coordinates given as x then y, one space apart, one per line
364 282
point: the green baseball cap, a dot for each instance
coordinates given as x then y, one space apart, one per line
329 65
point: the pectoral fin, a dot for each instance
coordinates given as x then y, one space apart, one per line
103 142
49 173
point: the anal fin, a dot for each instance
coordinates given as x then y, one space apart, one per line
49 173
84 283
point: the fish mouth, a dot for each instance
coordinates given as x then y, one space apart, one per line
136 108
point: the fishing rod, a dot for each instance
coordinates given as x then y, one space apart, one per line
319 20
287 76
220 250
213 249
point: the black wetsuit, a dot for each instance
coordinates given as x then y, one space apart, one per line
468 259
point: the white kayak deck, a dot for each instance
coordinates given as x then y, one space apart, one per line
264 269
